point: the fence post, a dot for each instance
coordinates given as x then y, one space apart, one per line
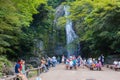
41 70
27 72
38 71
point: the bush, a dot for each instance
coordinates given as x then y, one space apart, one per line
5 65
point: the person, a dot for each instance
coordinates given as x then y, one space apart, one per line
58 59
115 63
71 63
18 66
23 67
18 70
54 61
90 61
63 59
48 62
51 62
84 62
43 62
78 61
67 63
74 62
101 58
99 65
119 64
93 65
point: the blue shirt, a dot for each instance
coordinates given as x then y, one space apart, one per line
17 66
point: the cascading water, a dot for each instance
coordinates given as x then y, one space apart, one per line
70 34
69 30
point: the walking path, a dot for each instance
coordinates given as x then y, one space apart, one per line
60 73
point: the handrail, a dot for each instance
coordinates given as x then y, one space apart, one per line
39 70
11 77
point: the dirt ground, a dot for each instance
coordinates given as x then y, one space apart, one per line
60 73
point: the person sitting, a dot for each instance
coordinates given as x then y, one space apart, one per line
67 63
43 62
93 65
99 65
23 67
63 59
119 64
71 64
89 62
78 61
74 62
54 61
84 62
18 70
115 63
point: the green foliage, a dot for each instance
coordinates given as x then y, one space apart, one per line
54 3
4 61
61 22
24 23
32 74
42 29
97 24
14 15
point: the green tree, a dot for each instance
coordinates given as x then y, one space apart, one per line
97 24
14 15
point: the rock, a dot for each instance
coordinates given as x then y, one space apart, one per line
59 11
34 61
7 71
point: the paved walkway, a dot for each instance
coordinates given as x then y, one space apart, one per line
59 73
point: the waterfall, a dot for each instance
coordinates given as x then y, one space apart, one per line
70 34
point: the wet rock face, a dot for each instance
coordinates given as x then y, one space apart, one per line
34 61
59 11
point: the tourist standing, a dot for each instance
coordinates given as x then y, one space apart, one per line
101 58
58 59
49 61
63 59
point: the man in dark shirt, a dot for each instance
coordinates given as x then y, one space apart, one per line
102 59
18 66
